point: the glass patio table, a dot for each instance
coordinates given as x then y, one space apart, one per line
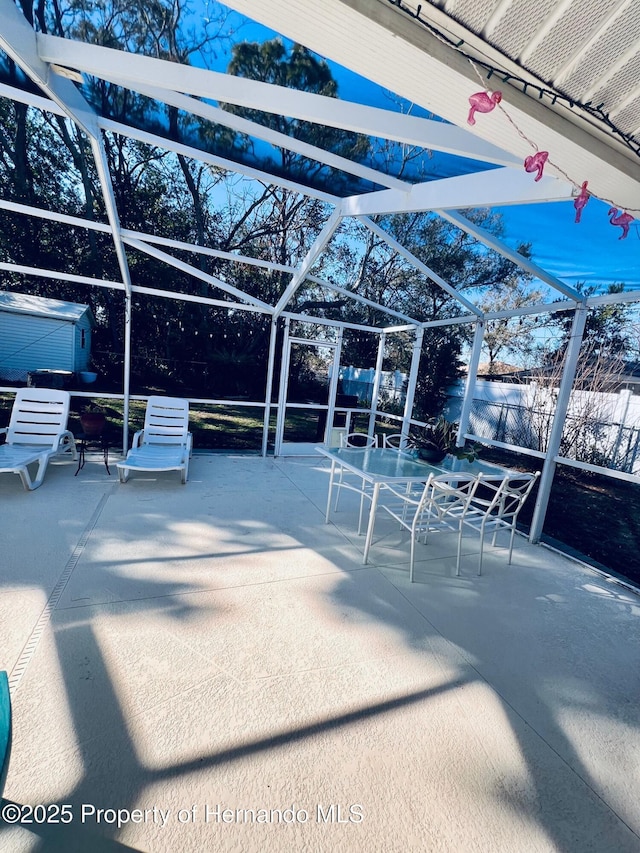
381 466
377 467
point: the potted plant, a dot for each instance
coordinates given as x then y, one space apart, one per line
437 438
92 419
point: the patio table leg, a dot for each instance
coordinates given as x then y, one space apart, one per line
331 476
372 519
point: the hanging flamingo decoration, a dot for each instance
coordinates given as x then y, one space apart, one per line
581 200
482 102
535 163
622 219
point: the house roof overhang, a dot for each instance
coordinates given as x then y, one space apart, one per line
384 42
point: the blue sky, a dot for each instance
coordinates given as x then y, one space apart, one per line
589 251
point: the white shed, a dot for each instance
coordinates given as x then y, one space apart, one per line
42 334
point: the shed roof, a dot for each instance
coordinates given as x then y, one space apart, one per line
21 303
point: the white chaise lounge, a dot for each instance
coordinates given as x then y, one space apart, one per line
37 431
164 444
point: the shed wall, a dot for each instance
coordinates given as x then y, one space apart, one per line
34 343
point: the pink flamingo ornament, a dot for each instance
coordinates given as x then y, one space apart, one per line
535 163
622 219
482 102
581 200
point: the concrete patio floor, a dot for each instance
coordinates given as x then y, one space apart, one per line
179 651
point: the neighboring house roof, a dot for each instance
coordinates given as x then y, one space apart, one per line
21 303
498 368
612 375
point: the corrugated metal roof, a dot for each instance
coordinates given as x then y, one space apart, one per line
21 303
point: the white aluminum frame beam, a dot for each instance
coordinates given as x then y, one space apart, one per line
47 105
198 273
334 324
310 258
214 160
205 250
412 382
493 188
419 265
343 291
252 128
559 417
494 242
470 384
212 85
382 43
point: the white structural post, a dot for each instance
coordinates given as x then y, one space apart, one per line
470 384
269 385
559 417
377 378
333 388
413 381
102 166
282 391
126 376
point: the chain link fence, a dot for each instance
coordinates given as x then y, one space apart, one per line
586 439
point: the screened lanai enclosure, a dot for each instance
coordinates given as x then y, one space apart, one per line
255 214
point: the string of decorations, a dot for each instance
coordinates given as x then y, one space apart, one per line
485 102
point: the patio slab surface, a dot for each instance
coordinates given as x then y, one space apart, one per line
210 667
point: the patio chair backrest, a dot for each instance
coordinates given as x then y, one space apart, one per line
446 497
514 492
166 421
38 417
395 441
358 439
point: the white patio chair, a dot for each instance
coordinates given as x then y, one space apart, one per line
37 432
497 508
441 507
361 440
395 441
165 443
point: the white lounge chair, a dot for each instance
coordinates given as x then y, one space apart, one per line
37 431
164 444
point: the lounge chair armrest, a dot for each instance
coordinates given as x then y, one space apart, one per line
66 437
137 438
66 443
3 431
